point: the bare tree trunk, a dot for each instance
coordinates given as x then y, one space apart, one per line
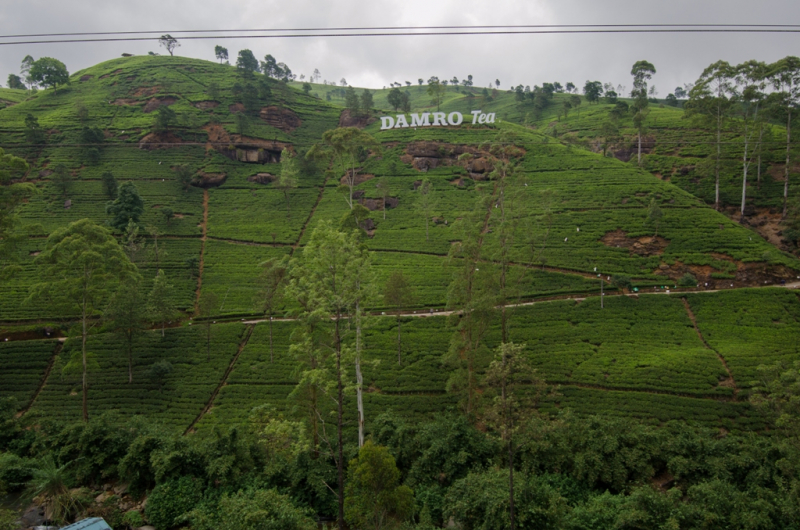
85 381
786 170
640 147
745 167
339 423
359 379
719 148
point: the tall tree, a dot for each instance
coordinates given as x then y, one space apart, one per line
289 177
786 79
25 70
246 63
710 100
593 90
343 147
184 175
750 81
351 101
221 53
398 294
160 307
436 91
169 42
395 98
128 206
504 217
375 497
81 266
471 300
165 118
62 179
271 284
49 72
110 186
34 133
127 314
383 189
366 102
15 82
332 276
426 202
642 72
518 390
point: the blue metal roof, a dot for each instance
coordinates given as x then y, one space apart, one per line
90 523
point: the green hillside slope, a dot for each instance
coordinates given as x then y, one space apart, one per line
581 220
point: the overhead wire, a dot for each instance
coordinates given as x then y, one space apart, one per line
398 31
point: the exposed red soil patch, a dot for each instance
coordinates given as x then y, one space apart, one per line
209 180
378 204
778 171
750 274
262 178
115 72
347 120
424 155
206 105
155 139
217 134
156 103
144 91
280 118
641 246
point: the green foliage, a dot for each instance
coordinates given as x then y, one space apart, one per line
49 72
165 118
374 496
49 481
480 500
15 82
158 373
127 207
62 180
170 502
252 509
110 186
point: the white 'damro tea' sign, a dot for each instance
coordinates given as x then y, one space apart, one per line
440 119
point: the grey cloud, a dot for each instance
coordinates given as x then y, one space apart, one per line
377 61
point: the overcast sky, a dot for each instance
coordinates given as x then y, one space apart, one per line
378 61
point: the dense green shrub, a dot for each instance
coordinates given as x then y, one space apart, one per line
252 509
171 501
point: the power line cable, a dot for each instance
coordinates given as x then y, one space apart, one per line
400 28
786 30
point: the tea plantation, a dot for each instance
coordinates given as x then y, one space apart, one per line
580 219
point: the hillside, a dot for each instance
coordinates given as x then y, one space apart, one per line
663 353
676 148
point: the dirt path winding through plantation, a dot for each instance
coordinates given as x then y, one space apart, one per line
56 352
245 339
730 382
